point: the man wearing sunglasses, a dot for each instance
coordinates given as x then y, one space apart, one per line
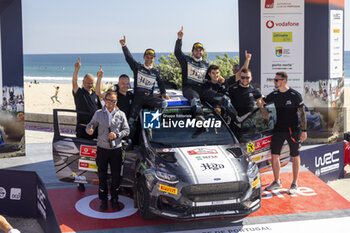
288 103
193 73
231 80
145 76
243 95
112 127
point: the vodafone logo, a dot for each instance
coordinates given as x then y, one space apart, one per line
270 24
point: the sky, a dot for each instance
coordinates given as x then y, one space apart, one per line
96 26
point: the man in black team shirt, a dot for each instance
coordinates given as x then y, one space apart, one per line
86 104
243 94
193 74
288 103
214 92
145 76
231 80
86 101
124 96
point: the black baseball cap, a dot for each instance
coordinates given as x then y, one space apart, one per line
197 45
150 51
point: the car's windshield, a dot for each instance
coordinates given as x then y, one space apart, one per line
179 129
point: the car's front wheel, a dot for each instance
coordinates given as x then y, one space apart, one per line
143 199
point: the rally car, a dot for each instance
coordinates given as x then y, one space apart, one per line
182 168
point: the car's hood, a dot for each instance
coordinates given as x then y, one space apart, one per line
209 164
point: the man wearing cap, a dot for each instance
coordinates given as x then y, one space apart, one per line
145 76
193 69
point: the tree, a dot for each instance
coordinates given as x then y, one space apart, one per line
170 69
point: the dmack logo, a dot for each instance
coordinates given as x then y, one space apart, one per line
326 159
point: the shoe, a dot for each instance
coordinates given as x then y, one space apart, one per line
293 189
274 185
115 205
104 205
81 187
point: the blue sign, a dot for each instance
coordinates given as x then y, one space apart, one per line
151 120
326 162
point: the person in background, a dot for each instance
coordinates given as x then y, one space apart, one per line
112 127
55 96
122 89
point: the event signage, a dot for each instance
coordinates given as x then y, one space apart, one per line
336 43
325 161
282 42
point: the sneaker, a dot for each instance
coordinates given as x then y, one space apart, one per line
293 189
200 118
274 185
81 187
115 205
104 205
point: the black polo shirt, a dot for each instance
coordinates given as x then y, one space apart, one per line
287 104
124 102
87 103
242 98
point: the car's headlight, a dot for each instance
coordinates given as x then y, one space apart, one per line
166 176
253 170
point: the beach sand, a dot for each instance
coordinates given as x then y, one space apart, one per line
37 99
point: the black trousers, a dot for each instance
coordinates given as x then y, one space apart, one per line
114 159
193 94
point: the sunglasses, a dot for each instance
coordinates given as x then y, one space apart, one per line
245 77
278 79
111 101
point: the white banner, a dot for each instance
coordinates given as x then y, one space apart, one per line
282 43
336 43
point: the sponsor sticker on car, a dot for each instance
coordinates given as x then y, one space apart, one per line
87 165
202 151
88 151
255 182
168 189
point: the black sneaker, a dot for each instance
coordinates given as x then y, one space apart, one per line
293 189
274 185
81 187
115 205
104 205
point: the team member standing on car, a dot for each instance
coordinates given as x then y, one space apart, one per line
86 101
288 103
193 74
145 76
112 127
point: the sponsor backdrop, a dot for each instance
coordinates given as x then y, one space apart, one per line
282 42
11 80
326 162
22 193
282 36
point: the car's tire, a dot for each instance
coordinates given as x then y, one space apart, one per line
143 199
